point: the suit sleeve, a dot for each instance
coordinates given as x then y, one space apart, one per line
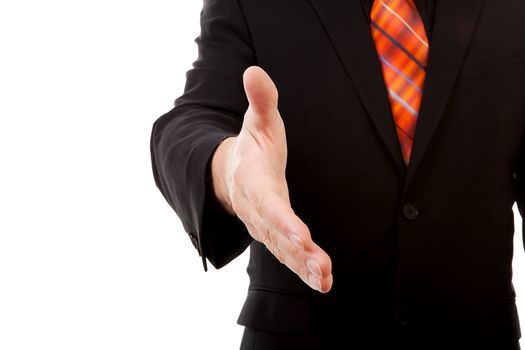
518 176
184 139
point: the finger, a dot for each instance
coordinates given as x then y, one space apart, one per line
305 264
279 215
321 284
294 237
314 268
312 265
325 265
276 246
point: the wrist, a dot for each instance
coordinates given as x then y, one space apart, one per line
218 174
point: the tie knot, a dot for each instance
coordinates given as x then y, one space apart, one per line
393 2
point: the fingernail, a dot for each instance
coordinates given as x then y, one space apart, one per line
314 267
314 282
297 241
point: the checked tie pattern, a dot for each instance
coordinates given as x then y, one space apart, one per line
402 46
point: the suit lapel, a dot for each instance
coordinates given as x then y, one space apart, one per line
347 26
453 25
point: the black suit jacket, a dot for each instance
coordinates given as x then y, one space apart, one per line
420 254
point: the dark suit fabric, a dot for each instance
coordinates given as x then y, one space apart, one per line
421 255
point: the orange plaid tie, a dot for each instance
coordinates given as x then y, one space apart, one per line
402 47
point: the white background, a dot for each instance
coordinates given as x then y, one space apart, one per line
91 255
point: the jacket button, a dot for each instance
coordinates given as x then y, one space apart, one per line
403 316
410 212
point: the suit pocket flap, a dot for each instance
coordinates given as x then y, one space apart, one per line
491 67
276 312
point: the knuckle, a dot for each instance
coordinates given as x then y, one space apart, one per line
294 253
264 240
251 228
279 255
302 273
306 233
308 243
267 233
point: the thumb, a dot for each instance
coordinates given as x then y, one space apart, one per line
261 93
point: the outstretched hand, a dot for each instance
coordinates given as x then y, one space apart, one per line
249 178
